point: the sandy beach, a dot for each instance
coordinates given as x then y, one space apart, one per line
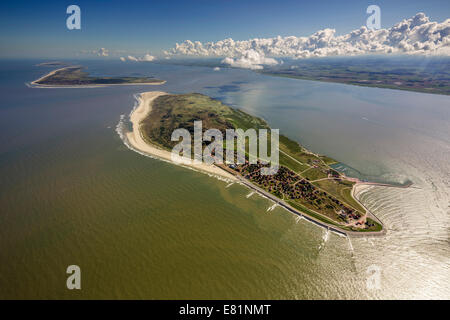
137 141
35 82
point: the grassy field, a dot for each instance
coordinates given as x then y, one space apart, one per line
170 112
314 174
305 210
375 228
292 164
341 190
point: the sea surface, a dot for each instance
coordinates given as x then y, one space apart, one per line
72 193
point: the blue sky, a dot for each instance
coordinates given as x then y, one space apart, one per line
38 28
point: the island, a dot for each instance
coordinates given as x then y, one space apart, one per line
52 64
305 183
74 76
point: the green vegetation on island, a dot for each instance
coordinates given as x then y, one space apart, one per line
75 76
304 180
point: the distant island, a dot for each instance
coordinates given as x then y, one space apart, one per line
412 74
52 64
75 76
305 184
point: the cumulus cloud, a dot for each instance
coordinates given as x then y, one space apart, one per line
146 57
132 58
417 35
250 59
102 52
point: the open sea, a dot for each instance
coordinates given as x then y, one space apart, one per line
72 193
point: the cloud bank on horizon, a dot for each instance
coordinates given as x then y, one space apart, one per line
102 52
146 57
417 35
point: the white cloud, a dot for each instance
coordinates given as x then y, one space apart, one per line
146 58
417 35
250 59
102 52
132 58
